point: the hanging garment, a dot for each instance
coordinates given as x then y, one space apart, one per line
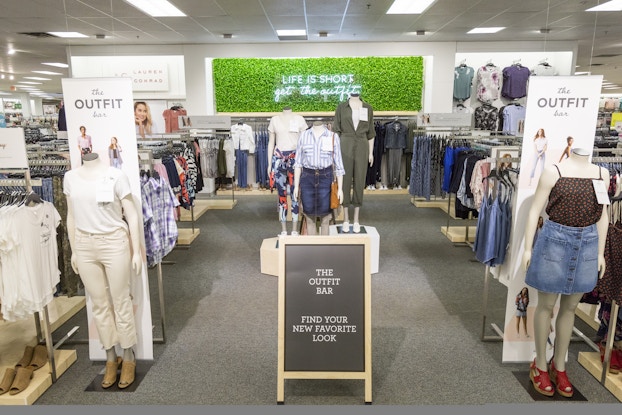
28 257
158 205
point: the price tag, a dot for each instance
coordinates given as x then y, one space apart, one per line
601 192
326 144
293 126
105 190
364 114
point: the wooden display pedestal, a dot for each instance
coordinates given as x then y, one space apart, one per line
219 203
269 251
200 207
41 380
422 203
269 256
458 233
186 236
16 335
591 362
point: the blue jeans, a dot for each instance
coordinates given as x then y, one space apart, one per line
564 259
315 191
242 164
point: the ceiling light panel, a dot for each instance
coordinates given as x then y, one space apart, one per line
487 30
409 6
47 72
68 34
610 6
56 64
157 8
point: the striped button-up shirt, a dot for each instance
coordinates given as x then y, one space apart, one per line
319 153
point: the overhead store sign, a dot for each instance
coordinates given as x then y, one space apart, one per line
317 84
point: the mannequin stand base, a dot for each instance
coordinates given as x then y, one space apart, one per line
523 378
142 368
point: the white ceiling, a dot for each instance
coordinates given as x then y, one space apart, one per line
255 21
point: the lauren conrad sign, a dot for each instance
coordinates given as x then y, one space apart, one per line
145 77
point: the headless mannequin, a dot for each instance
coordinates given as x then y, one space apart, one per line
577 166
356 104
92 169
318 129
283 143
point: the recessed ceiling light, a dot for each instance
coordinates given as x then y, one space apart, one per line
47 72
11 51
56 64
418 33
479 30
11 77
409 6
67 34
2 76
157 8
30 83
37 78
610 6
5 93
296 34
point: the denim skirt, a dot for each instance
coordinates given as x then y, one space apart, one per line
564 259
315 191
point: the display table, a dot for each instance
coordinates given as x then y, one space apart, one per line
269 250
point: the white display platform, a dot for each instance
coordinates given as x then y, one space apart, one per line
269 251
374 247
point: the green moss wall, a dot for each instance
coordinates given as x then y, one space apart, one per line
317 84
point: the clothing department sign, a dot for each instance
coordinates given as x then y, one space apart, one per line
322 85
324 310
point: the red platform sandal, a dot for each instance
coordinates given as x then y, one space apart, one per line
540 380
560 379
614 359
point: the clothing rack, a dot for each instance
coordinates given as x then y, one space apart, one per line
487 147
495 327
146 155
45 335
145 158
219 133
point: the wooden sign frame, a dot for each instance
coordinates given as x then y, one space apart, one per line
334 244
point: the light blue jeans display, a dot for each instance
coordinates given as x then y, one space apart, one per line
541 159
564 259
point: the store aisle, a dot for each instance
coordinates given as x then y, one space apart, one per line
222 322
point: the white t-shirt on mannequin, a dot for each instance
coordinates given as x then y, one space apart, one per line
96 191
285 129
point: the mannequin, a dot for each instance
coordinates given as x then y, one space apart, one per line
354 124
103 229
284 131
575 217
318 154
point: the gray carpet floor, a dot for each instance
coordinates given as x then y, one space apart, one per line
222 323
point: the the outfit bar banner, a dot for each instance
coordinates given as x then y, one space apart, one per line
100 119
561 115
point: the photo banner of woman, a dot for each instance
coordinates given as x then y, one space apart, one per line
557 108
105 108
